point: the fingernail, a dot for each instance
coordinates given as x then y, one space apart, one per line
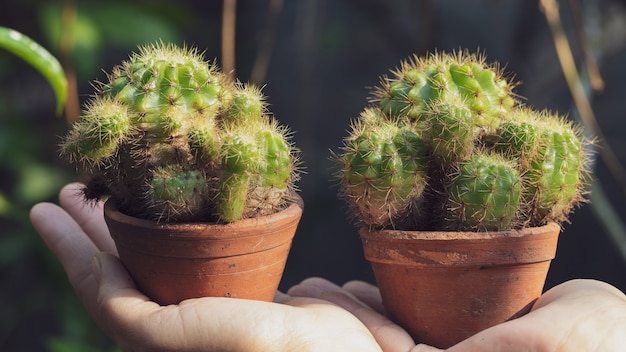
96 267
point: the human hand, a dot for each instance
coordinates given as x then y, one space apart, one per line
77 234
578 315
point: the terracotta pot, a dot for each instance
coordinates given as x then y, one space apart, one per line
176 261
444 287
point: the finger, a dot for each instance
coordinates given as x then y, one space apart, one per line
118 299
89 216
389 335
576 288
71 246
366 293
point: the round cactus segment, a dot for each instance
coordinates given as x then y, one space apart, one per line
420 82
452 132
487 94
257 173
384 172
246 106
551 152
517 137
277 167
408 92
555 175
166 77
485 194
176 194
404 98
272 186
204 143
554 180
240 160
106 123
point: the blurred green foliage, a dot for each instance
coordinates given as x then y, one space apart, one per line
121 24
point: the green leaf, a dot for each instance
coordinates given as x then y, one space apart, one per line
38 57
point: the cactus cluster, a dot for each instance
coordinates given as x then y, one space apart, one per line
172 138
445 145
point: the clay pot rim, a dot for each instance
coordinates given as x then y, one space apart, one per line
191 230
409 235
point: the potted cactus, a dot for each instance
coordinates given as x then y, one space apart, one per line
459 192
199 178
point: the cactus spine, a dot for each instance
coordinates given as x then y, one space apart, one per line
484 163
171 138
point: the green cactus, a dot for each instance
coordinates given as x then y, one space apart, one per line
177 193
452 132
171 138
484 194
483 163
384 170
551 152
464 77
256 170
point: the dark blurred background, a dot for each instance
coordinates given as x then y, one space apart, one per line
316 60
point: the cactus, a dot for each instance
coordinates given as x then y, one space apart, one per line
485 194
483 162
441 77
550 151
171 138
385 169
